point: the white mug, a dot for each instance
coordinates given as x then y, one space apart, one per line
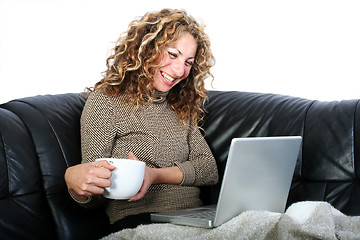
126 179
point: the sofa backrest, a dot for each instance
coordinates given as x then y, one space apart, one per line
52 126
328 166
40 138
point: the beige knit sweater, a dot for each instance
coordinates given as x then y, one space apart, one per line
112 128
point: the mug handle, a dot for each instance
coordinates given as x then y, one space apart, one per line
112 163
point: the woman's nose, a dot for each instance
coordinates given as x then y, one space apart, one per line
178 69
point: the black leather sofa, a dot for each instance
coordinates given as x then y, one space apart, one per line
40 139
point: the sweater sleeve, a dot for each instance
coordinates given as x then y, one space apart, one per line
201 168
97 136
98 130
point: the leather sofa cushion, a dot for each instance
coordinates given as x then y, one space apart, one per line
329 164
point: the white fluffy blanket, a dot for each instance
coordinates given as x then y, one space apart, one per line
303 220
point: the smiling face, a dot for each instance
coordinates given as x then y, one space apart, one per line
176 63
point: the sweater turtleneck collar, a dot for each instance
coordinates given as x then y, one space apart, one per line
159 97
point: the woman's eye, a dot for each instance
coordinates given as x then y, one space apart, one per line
172 55
189 64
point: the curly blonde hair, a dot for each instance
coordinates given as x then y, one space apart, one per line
135 55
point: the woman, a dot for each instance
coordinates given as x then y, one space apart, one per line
147 107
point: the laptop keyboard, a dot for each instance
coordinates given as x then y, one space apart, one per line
204 214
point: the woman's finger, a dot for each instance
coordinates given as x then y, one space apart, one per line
103 164
132 156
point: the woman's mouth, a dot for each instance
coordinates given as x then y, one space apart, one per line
167 77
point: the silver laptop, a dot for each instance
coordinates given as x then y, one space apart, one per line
257 176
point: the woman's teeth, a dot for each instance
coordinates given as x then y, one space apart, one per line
167 77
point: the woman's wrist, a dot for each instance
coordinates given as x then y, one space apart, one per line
79 198
171 175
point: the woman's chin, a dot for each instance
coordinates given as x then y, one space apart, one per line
164 87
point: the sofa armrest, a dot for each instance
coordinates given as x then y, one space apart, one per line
22 200
53 122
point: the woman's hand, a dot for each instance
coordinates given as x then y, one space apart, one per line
171 175
87 179
149 179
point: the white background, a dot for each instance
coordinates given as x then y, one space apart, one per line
305 48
